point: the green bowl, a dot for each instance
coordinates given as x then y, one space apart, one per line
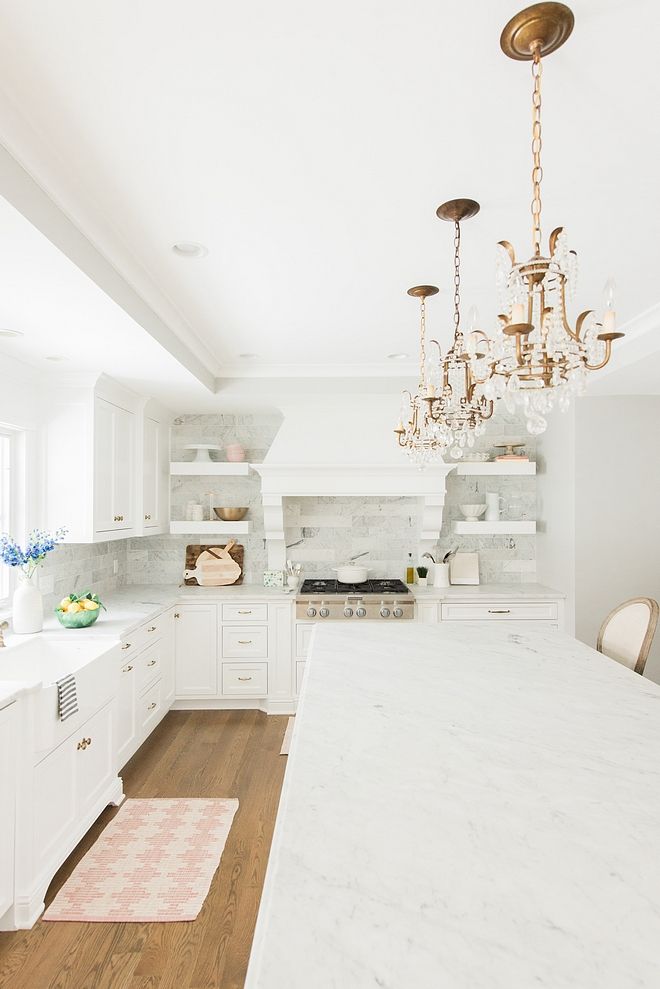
77 619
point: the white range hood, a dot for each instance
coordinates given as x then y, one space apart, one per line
344 452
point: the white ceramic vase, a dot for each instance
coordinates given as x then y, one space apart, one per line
27 613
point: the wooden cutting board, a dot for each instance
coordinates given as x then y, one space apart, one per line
209 565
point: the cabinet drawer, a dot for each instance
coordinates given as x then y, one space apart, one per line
245 612
300 672
249 642
303 638
149 707
500 611
241 680
145 635
147 666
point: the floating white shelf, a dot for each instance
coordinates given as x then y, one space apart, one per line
209 528
498 468
502 528
218 468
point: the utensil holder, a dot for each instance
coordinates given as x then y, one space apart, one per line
440 575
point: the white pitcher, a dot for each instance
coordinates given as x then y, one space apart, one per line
494 505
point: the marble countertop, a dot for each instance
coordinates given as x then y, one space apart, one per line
465 808
489 592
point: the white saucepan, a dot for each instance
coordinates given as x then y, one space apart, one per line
351 573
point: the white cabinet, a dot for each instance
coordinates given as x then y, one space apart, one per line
126 712
245 680
195 628
95 761
8 728
511 610
106 463
114 458
153 470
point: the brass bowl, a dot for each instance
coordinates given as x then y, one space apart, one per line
231 514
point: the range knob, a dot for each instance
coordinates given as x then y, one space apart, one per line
311 610
384 610
348 611
324 611
361 612
397 610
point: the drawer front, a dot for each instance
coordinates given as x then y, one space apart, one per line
245 680
300 672
303 637
245 612
542 611
143 636
149 707
147 666
245 642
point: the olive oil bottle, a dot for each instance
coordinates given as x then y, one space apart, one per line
410 570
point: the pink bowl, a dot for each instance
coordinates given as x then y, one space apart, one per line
235 453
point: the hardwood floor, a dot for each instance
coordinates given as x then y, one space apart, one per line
191 754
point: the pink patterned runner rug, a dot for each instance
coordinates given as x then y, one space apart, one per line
154 862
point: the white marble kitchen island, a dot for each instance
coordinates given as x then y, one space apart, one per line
465 808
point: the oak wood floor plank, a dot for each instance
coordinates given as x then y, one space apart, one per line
191 754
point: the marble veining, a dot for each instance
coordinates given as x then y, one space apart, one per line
465 808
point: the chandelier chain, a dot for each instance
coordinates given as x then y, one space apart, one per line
422 340
537 170
457 277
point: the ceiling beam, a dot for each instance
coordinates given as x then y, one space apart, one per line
29 198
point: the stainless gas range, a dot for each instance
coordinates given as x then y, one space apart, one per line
374 599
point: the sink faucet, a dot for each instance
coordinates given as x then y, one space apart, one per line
3 626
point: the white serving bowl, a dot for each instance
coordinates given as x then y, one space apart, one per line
472 512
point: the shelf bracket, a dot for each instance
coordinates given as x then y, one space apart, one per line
274 531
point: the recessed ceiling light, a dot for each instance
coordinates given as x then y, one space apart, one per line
56 358
249 357
10 333
189 249
397 357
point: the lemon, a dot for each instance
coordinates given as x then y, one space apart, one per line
90 605
64 603
73 608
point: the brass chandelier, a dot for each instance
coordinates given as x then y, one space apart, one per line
537 358
449 409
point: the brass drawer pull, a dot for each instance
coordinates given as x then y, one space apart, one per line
126 645
84 744
245 642
244 679
499 611
249 612
152 662
127 669
152 706
152 628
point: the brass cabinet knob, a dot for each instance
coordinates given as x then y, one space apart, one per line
83 744
177 615
147 518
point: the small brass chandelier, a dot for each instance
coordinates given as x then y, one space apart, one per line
450 408
537 358
459 405
423 438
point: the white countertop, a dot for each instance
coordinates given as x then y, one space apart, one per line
465 808
488 592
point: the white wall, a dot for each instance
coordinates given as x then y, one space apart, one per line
555 492
617 509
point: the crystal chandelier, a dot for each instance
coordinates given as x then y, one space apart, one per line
459 404
536 358
421 437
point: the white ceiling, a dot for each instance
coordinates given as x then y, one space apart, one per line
308 145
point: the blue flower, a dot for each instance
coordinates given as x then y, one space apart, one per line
38 545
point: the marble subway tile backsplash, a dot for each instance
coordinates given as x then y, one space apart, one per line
82 567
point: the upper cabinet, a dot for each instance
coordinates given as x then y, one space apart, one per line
107 463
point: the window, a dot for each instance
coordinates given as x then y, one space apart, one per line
6 447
